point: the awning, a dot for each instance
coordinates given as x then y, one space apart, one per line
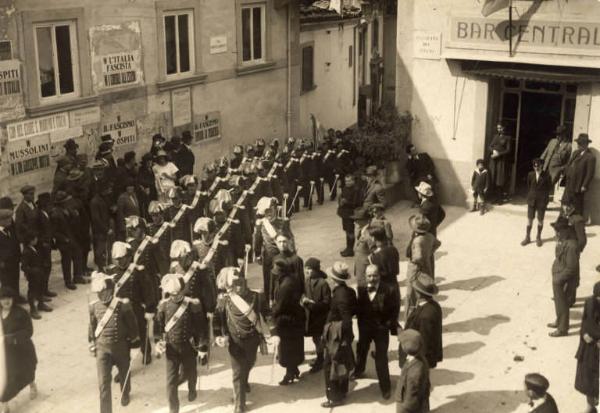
540 73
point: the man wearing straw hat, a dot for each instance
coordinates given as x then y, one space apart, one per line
338 337
241 327
426 318
110 337
429 206
183 325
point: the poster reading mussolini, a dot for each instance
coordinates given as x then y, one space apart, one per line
116 55
28 154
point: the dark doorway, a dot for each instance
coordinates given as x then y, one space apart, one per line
540 114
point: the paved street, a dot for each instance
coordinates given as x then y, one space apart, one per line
496 297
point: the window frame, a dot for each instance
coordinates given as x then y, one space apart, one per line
58 96
313 85
191 40
265 62
263 32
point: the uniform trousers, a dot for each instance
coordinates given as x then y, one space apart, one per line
142 323
562 291
242 353
381 337
106 358
180 355
46 253
267 264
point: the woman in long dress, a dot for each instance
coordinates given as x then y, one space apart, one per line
19 356
165 173
586 377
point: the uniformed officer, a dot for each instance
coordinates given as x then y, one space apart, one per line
206 229
112 332
182 324
180 229
161 239
240 325
267 227
138 288
236 161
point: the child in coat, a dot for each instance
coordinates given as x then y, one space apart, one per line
32 264
480 183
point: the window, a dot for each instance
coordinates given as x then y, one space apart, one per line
253 33
5 50
56 49
308 53
179 43
350 55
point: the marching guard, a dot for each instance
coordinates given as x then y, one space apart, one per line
113 330
182 324
240 326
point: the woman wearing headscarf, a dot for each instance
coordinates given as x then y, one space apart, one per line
18 353
289 319
586 377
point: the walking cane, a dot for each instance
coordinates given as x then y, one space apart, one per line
298 189
124 382
310 193
285 198
334 186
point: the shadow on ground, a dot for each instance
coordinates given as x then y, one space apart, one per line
472 284
444 377
501 401
458 350
480 325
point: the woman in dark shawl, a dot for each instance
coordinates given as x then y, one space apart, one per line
586 377
18 353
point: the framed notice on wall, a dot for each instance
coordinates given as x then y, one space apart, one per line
28 154
181 107
207 126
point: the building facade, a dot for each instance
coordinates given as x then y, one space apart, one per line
345 69
227 71
459 73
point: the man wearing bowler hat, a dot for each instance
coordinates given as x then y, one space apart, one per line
579 173
426 318
413 386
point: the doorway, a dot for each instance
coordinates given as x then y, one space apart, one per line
531 111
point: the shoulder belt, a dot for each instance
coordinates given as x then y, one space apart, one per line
179 313
108 315
271 231
248 312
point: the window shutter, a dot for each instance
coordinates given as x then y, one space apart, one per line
307 68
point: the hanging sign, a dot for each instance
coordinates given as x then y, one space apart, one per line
207 126
28 155
37 126
122 130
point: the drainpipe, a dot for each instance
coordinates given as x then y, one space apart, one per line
289 70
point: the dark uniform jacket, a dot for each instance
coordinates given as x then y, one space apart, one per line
200 286
538 190
382 312
317 289
193 324
231 322
264 242
182 227
413 388
350 199
343 307
184 160
427 319
120 329
138 288
152 275
387 260
26 222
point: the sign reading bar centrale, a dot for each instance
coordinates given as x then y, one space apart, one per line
484 33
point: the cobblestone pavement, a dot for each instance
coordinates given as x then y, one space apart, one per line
496 297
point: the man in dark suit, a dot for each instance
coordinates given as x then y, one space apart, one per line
426 318
420 167
539 186
45 238
26 216
10 254
185 156
386 257
102 225
429 206
373 189
413 386
579 173
540 401
127 205
378 308
350 199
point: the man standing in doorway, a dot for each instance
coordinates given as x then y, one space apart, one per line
579 173
556 155
500 150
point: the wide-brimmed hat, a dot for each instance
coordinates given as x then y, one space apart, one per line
105 148
424 189
61 196
44 199
419 223
6 203
560 224
425 285
411 341
74 174
583 138
360 214
7 292
339 271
